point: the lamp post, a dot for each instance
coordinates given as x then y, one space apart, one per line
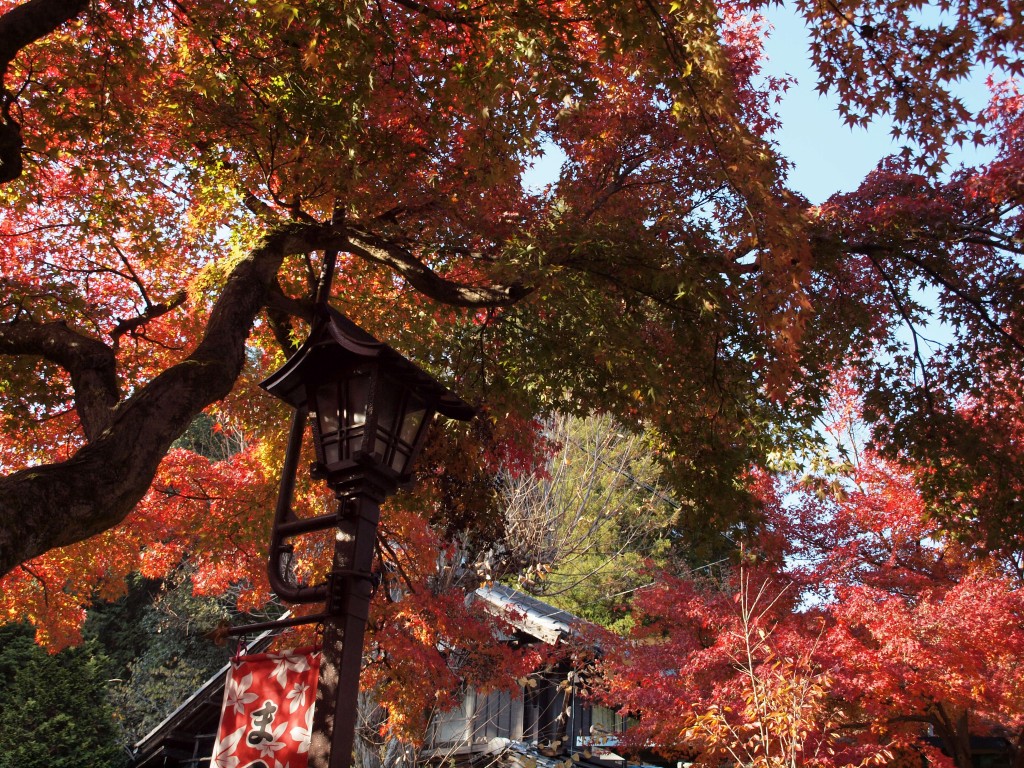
371 409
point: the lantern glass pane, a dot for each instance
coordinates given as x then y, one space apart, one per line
357 395
328 414
327 408
405 441
413 418
389 407
332 451
399 459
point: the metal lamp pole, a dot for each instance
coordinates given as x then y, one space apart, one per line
351 587
371 409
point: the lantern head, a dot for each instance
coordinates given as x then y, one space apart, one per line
372 406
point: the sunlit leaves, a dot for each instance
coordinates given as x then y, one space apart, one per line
666 275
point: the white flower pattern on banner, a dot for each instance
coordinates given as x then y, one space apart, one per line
297 696
222 753
288 662
268 748
238 694
302 735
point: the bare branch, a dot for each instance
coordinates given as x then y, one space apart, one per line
428 282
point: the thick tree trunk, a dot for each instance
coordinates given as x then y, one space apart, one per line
58 504
953 728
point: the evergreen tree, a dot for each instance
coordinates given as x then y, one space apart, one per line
584 529
54 708
158 638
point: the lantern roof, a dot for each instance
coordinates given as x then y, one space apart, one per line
336 344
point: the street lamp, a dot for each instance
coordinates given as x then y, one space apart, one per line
371 410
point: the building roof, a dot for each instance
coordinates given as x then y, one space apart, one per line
528 614
175 738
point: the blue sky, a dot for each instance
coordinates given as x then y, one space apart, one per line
829 156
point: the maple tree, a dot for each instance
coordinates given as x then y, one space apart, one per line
926 629
857 624
407 158
732 681
173 171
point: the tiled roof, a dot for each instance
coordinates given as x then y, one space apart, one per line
528 614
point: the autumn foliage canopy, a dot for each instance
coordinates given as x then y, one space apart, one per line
172 173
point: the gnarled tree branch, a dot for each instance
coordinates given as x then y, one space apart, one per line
59 504
427 281
89 361
153 311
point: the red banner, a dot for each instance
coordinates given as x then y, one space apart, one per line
267 714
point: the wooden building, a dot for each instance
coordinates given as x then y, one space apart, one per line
544 724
